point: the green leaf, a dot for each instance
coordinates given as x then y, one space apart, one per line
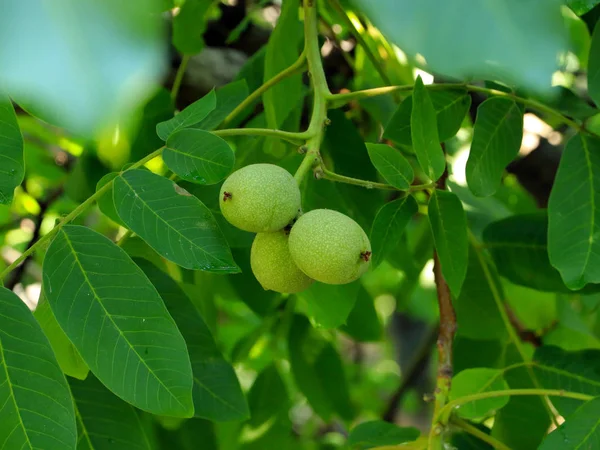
217 393
198 156
318 371
378 433
104 420
449 226
574 214
189 435
570 371
476 381
37 410
189 25
172 221
12 167
228 98
497 136
333 312
345 146
518 245
494 41
282 51
66 86
580 430
593 74
580 7
476 310
106 202
389 224
68 357
268 397
390 163
330 371
524 421
451 106
158 109
117 321
190 116
363 323
424 134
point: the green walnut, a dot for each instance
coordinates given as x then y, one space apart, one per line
273 265
330 247
260 197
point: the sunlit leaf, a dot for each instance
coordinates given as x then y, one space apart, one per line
68 357
12 168
333 312
476 381
80 65
424 134
189 25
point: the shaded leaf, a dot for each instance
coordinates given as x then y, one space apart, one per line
363 323
228 98
497 136
580 430
333 312
189 25
106 202
377 433
190 116
12 167
424 134
518 246
330 371
37 410
449 227
268 397
282 51
476 381
68 357
574 214
104 419
303 349
389 224
172 221
494 41
390 163
593 73
450 106
198 156
572 371
476 310
158 109
117 321
217 393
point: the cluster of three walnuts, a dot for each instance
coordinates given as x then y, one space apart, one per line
292 249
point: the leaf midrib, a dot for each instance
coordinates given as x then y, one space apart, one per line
223 263
88 282
12 394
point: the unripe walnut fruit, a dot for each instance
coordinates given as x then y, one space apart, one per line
330 247
260 197
273 266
